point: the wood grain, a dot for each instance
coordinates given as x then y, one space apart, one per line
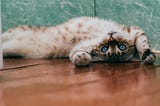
59 83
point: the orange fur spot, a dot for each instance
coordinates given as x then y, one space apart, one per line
128 29
56 39
23 28
9 31
125 28
139 33
59 32
64 38
85 37
74 40
44 29
78 39
80 25
78 31
66 28
35 28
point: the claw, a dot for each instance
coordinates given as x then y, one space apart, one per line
148 57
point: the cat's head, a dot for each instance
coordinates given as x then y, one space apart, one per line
115 47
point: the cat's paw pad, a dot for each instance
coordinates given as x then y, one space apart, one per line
81 59
148 57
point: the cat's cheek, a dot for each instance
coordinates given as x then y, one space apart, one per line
81 59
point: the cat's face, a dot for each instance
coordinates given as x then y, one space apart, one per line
117 47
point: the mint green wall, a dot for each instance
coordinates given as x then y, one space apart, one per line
144 13
43 12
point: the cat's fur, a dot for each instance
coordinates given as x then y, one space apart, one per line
80 39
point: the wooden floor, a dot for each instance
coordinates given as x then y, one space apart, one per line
58 83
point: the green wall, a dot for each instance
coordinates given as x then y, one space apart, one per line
43 12
144 13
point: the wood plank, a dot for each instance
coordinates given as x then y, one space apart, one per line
59 83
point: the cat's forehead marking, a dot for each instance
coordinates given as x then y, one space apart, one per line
111 38
115 38
111 33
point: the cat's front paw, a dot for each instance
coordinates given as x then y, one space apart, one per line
81 58
148 57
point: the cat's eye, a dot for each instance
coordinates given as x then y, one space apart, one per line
104 48
122 47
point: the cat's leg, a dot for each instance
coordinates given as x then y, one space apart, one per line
25 49
13 48
143 46
80 55
27 44
80 58
83 53
11 44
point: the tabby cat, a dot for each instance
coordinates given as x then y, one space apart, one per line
83 40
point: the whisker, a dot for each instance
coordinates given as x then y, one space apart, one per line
128 58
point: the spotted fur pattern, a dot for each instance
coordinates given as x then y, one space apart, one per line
80 39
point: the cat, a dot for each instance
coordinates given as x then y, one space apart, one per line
82 39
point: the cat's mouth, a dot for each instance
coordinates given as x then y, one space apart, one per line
114 58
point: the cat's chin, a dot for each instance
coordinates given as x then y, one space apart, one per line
115 61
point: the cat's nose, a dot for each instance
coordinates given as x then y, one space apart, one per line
114 57
111 38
